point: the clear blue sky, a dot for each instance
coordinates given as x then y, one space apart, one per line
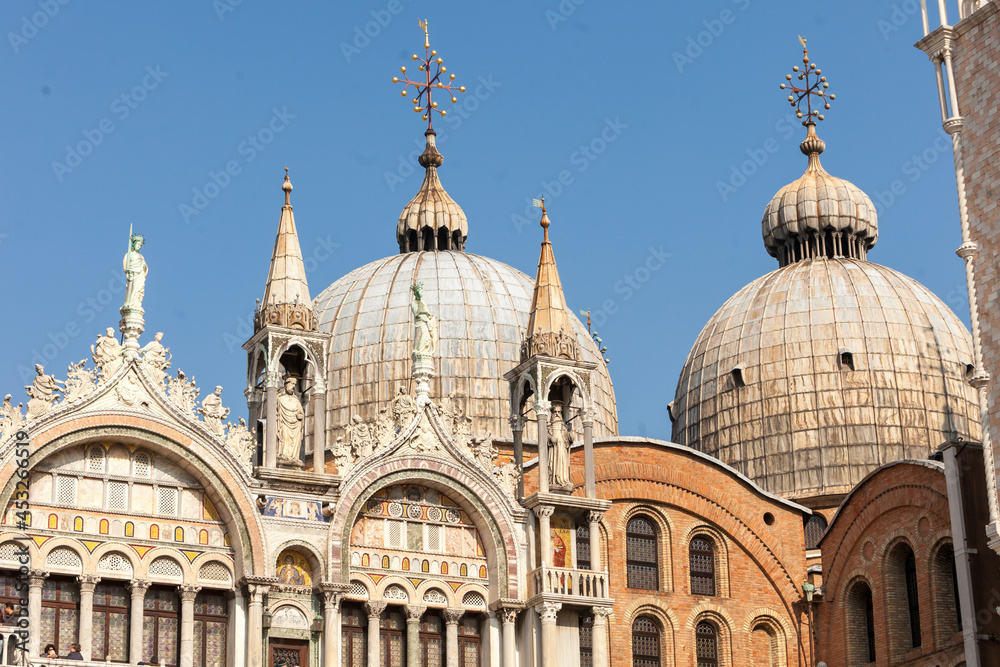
183 85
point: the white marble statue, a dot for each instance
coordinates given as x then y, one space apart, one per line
42 392
425 327
135 273
507 476
362 441
240 440
107 354
483 450
10 418
559 444
182 392
291 418
212 411
80 381
156 356
342 456
382 430
453 415
403 408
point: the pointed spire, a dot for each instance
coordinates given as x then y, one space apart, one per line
550 327
286 296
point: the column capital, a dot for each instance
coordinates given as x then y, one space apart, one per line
510 614
272 379
88 582
601 615
548 611
36 578
453 615
332 599
188 592
256 589
595 516
588 416
544 511
414 611
516 423
543 408
374 608
138 587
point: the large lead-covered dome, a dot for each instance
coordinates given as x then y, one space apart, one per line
482 307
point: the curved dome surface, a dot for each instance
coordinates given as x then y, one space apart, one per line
482 307
815 374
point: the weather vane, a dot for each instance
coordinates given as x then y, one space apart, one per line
423 103
814 84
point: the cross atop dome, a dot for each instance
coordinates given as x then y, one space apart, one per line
423 103
815 85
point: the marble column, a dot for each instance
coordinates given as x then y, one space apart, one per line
600 636
236 637
413 614
510 637
550 649
544 513
187 592
319 428
451 619
87 584
594 518
542 410
331 628
590 486
271 415
138 588
255 624
517 426
36 579
374 610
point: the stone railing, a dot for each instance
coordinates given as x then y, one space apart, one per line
9 639
569 581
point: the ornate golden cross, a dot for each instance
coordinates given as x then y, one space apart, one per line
815 84
423 103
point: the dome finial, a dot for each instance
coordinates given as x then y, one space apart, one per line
544 222
814 84
287 187
423 103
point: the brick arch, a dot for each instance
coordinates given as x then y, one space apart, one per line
944 604
478 500
664 546
669 624
196 457
775 627
721 549
724 624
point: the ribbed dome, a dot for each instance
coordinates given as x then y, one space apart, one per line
819 215
482 307
816 373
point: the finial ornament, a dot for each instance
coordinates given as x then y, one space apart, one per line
814 84
544 222
423 102
287 187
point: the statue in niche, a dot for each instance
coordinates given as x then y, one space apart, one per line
80 381
291 418
362 441
403 408
156 357
107 354
10 417
42 392
212 411
425 326
559 444
135 274
483 450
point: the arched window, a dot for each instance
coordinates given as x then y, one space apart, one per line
60 622
583 547
912 601
702 558
431 640
815 527
211 626
392 638
645 642
111 622
944 583
860 624
707 644
641 558
469 641
353 636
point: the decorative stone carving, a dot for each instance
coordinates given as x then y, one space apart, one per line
423 438
289 617
507 475
135 274
452 616
80 381
382 429
156 357
434 596
559 444
182 392
510 615
483 450
10 418
342 456
138 587
425 326
291 418
241 441
188 592
601 615
42 393
594 516
375 609
362 442
414 611
548 611
453 415
212 411
107 354
544 511
551 344
403 408
129 391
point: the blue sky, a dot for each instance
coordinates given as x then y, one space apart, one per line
122 112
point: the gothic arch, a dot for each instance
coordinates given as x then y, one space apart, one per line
573 377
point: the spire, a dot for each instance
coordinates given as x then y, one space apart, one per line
286 295
550 327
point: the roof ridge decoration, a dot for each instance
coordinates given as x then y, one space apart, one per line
818 216
286 300
550 329
431 220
